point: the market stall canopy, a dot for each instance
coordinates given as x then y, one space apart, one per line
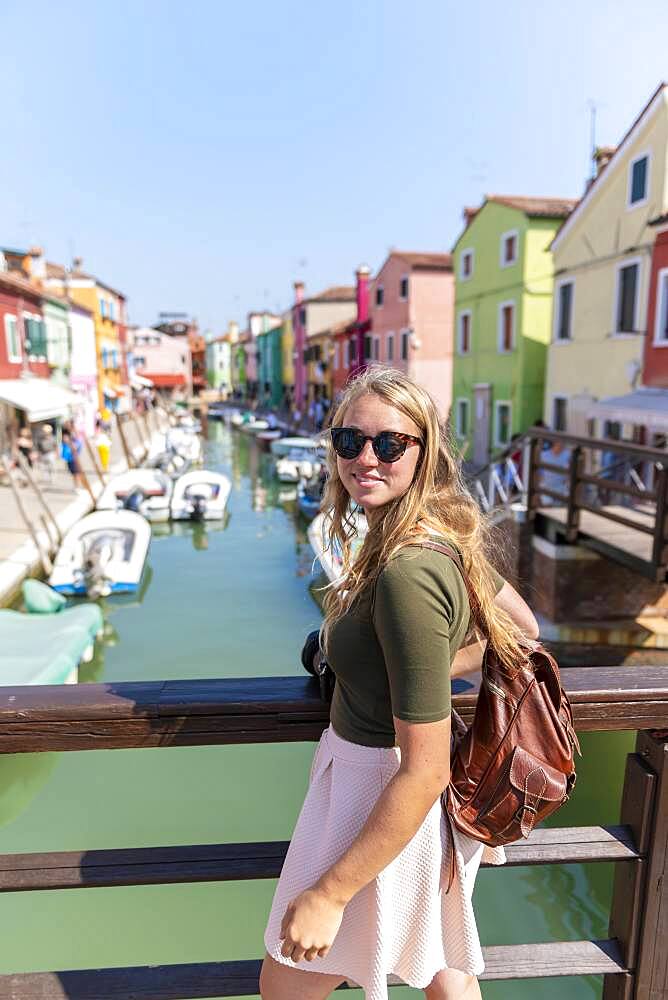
38 398
644 407
140 382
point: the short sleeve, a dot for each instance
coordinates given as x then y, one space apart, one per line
497 580
413 613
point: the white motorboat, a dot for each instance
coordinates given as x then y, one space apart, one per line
330 557
254 426
185 443
104 553
287 444
296 465
200 496
147 491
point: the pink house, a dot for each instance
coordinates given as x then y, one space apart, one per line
412 310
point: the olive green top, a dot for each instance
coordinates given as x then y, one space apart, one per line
391 652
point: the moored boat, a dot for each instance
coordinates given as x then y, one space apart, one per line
329 556
309 498
296 465
103 553
285 445
200 496
147 491
46 643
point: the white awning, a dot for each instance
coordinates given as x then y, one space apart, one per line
38 398
140 381
644 407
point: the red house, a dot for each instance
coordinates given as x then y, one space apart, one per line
349 338
22 330
655 354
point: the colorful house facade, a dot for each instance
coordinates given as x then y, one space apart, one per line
83 363
655 355
603 329
412 305
310 317
162 359
287 358
503 319
108 308
270 366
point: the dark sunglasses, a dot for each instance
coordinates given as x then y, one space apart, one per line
388 446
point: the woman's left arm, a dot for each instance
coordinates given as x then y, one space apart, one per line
312 920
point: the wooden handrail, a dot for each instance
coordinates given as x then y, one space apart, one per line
270 710
600 444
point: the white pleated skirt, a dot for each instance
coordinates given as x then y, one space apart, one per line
403 923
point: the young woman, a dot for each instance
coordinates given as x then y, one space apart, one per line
362 891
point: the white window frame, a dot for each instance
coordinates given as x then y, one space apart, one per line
629 183
375 348
556 321
558 396
404 338
389 340
499 326
505 236
461 434
497 405
460 339
618 270
12 358
468 252
661 304
403 298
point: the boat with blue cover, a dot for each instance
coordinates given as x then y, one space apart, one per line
46 643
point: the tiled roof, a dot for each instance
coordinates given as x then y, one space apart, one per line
337 293
550 208
58 273
436 261
17 283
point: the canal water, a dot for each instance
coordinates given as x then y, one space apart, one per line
236 601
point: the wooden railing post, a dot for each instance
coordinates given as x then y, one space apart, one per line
573 511
126 451
651 976
628 895
660 488
530 460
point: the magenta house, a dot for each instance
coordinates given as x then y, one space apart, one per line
411 313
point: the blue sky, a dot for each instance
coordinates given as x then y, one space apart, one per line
202 156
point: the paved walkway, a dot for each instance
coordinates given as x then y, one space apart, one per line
19 556
636 543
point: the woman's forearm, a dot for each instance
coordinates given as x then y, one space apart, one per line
394 820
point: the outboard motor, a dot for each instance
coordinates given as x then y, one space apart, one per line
96 559
134 500
198 500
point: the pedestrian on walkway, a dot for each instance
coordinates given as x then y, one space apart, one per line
70 454
46 449
362 891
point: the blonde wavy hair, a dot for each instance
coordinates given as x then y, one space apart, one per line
437 501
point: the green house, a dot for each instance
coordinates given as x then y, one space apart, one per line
503 320
270 366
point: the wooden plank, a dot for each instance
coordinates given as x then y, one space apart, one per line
613 486
234 862
600 444
228 979
652 963
626 522
274 709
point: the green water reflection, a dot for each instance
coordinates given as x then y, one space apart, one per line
233 600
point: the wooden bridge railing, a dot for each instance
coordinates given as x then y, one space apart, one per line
575 478
633 959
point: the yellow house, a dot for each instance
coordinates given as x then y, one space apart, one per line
287 352
108 307
602 260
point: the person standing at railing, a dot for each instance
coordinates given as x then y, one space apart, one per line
362 893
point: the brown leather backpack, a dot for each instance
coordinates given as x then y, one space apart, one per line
515 765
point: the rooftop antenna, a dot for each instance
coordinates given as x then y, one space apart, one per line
592 137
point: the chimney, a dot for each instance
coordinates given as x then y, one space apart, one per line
233 330
469 214
362 292
77 263
299 291
37 263
602 156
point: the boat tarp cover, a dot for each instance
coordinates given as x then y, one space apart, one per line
43 648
